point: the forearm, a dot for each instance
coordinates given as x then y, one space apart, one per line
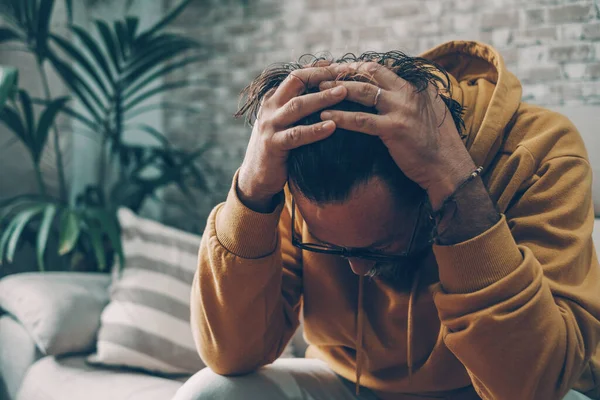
470 212
502 319
239 319
504 324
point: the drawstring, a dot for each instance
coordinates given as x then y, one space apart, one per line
409 326
359 334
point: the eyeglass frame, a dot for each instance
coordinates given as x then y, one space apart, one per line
407 255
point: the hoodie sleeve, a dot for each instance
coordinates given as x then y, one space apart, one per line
520 303
246 293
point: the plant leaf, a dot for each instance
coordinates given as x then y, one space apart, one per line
82 61
18 11
28 16
122 38
158 74
154 53
161 137
191 157
69 7
163 106
47 119
70 112
9 77
4 239
69 231
7 34
43 16
13 121
28 112
11 204
166 20
132 24
154 91
109 43
21 220
110 226
186 191
200 180
81 118
96 239
44 231
94 49
83 91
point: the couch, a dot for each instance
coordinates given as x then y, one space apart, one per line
49 324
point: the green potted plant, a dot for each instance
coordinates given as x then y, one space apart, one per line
111 80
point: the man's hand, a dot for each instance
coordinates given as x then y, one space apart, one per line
417 128
263 173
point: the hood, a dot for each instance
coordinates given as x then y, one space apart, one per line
491 95
489 92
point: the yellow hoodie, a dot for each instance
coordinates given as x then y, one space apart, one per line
510 314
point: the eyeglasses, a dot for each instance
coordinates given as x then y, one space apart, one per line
406 256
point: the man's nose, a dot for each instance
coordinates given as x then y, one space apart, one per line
360 266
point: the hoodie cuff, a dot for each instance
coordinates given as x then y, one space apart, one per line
478 262
244 232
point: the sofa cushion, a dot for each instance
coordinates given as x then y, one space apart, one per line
17 353
59 310
72 378
146 325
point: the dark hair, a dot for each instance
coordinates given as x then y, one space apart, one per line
328 170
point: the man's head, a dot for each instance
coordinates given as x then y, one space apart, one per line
348 188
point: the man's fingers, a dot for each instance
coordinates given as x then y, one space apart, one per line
371 124
298 81
361 92
301 135
305 105
379 74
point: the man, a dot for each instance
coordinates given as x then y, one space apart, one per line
383 157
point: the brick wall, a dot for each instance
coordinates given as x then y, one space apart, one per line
553 46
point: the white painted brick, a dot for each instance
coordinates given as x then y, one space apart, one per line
463 22
434 8
570 32
574 71
466 5
532 56
501 37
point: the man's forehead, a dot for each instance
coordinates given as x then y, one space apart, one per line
370 217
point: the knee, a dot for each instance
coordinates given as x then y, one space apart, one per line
206 384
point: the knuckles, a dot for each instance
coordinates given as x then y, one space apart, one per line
366 91
265 125
294 106
362 120
294 136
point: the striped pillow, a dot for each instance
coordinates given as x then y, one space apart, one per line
146 325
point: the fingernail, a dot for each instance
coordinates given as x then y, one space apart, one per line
326 115
337 91
328 124
325 85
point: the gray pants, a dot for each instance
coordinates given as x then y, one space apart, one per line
285 379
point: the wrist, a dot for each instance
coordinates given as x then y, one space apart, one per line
447 185
470 213
255 199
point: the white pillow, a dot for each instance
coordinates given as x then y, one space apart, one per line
146 325
59 310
